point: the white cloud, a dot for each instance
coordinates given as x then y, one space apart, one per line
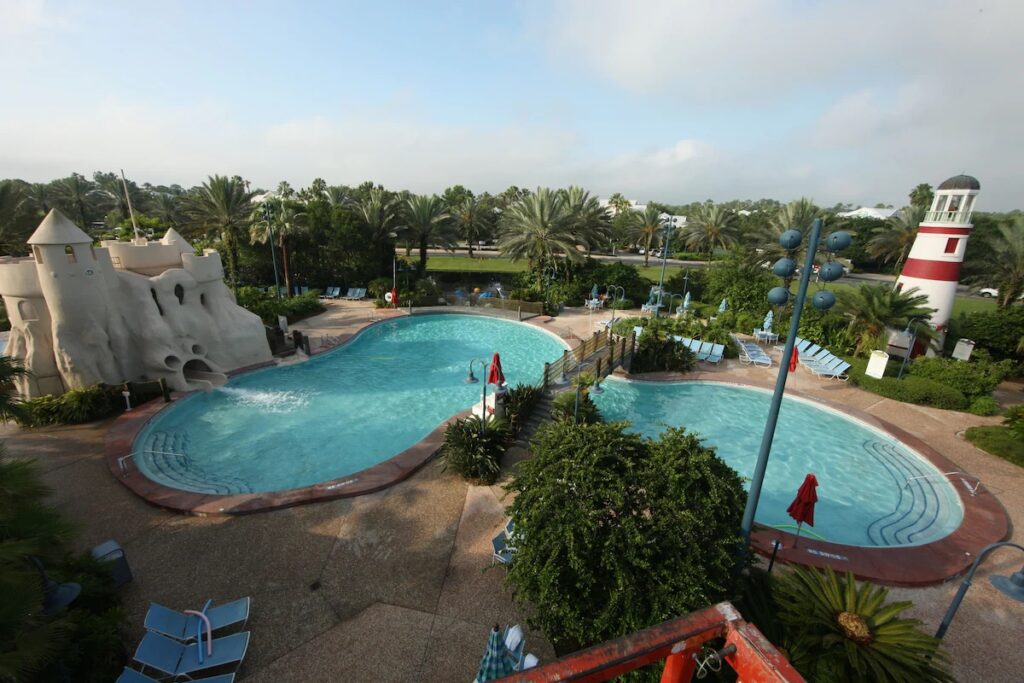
21 18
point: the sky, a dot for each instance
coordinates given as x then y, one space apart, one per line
667 100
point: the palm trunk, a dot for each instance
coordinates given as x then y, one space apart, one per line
470 242
284 266
423 256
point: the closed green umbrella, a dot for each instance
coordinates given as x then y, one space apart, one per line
496 662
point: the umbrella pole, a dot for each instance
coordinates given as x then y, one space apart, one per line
799 526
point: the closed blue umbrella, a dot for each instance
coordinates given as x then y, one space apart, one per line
594 292
686 302
496 662
768 319
722 306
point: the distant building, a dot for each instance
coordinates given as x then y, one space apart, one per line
124 311
868 212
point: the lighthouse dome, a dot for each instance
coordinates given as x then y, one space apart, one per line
961 182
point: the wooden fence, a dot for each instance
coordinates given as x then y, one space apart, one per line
611 351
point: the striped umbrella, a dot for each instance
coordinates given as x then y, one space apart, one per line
496 662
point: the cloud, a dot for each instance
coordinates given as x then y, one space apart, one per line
23 18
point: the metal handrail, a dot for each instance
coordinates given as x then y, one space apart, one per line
972 489
121 462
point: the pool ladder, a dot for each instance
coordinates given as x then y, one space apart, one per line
973 490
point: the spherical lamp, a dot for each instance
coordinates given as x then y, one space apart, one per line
830 271
838 241
784 267
823 300
790 239
778 296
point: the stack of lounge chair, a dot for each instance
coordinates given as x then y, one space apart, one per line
751 353
820 361
355 294
332 293
705 351
178 645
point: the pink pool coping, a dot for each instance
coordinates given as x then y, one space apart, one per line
122 433
985 519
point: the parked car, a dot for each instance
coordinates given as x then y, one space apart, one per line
988 292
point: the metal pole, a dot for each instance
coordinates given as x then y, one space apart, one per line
780 386
131 211
268 214
664 262
910 349
966 583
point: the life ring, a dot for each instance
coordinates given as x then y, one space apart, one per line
387 297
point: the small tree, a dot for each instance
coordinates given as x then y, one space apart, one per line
618 532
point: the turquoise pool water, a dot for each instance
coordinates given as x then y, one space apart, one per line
863 495
336 414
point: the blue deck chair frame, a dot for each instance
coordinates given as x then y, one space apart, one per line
133 676
176 659
183 627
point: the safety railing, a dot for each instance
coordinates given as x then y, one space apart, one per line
529 308
694 644
606 350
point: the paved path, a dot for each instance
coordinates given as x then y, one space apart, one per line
396 586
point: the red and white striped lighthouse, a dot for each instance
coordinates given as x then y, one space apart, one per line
933 265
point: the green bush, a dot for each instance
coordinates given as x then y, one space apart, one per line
472 454
519 404
73 407
619 532
971 378
1014 418
1003 442
984 405
912 389
997 331
268 307
563 407
378 287
623 304
657 352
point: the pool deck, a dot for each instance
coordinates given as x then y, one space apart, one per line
396 586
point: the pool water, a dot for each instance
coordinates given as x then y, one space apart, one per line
863 495
337 413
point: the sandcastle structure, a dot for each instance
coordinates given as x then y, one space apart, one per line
124 311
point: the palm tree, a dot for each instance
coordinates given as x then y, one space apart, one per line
426 225
1004 267
379 212
892 240
921 196
590 221
12 209
167 207
713 227
339 195
872 309
538 228
799 215
646 227
41 197
618 203
77 197
839 631
470 220
287 220
11 369
223 206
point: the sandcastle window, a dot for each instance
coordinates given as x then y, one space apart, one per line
39 254
156 301
27 311
69 250
179 292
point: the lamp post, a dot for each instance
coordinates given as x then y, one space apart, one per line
596 389
268 215
823 300
912 331
612 290
669 224
1012 585
548 274
471 379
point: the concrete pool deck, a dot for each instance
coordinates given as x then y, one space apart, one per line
395 585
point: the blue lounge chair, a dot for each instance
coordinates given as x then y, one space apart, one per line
836 372
705 350
820 357
693 345
802 344
176 659
183 627
502 553
717 353
356 294
638 330
133 676
752 353
810 351
822 365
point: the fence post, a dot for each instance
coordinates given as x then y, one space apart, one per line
599 368
544 380
611 357
520 310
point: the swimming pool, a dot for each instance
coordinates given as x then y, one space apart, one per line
864 498
337 413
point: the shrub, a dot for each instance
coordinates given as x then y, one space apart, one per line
73 407
473 454
984 405
998 331
657 352
268 307
911 389
640 530
623 304
563 407
1014 418
971 378
519 404
379 286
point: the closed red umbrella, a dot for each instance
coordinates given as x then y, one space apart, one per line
496 376
793 360
802 507
394 297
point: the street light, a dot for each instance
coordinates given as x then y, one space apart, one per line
669 224
912 332
1012 585
268 214
823 300
471 379
612 290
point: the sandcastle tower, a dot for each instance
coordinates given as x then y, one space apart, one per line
933 265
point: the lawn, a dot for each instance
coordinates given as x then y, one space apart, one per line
1002 442
454 264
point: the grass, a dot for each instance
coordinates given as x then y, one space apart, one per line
454 264
1002 442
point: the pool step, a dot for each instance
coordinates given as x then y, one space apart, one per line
919 504
167 454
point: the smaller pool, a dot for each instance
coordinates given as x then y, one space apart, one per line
864 497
